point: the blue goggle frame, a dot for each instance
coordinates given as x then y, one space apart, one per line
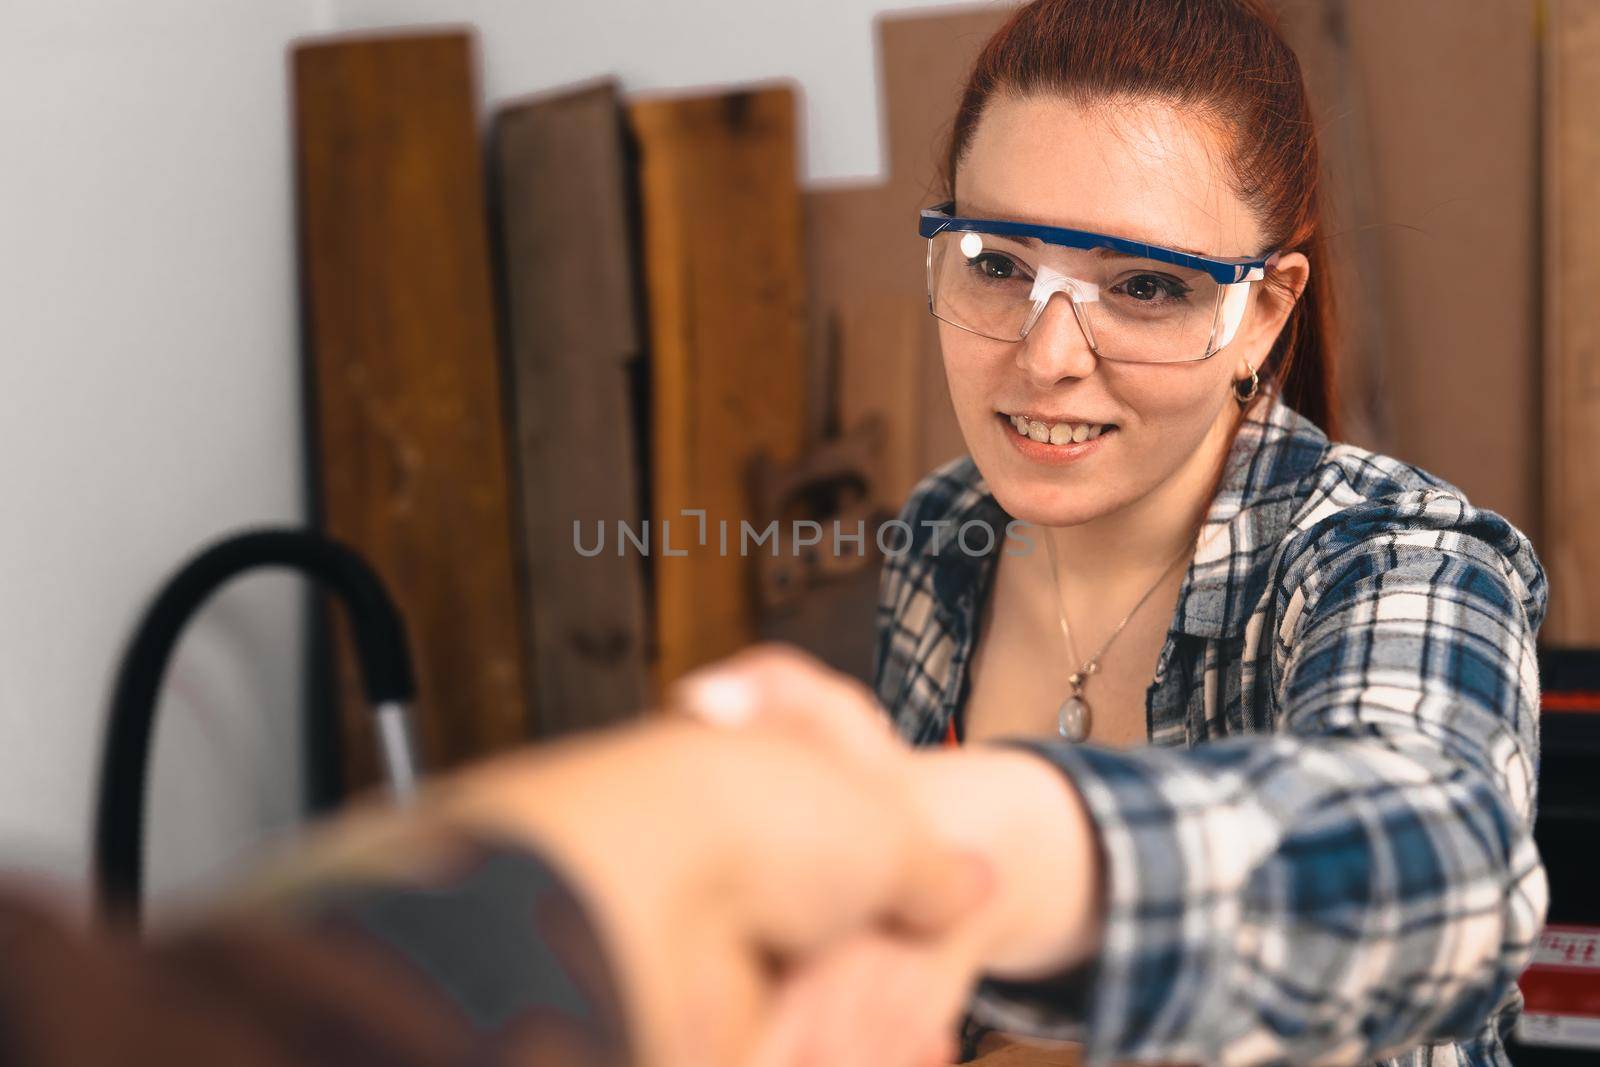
936 220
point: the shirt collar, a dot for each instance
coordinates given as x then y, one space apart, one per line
1260 491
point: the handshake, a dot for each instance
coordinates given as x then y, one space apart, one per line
778 881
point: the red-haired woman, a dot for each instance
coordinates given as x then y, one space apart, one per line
1269 700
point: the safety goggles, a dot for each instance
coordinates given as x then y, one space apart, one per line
1134 302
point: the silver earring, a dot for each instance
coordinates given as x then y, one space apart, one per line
1244 396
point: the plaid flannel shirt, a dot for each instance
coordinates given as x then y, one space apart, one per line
1325 853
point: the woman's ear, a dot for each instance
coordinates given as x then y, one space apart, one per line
1275 298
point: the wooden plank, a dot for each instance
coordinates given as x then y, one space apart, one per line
1453 122
925 59
410 447
998 1050
725 276
867 324
1569 546
570 287
1319 33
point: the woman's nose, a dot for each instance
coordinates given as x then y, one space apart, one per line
1056 347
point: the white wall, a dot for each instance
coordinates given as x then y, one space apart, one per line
148 402
149 380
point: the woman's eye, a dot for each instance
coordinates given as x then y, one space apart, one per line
1152 288
994 265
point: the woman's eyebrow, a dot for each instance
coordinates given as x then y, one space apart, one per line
1033 242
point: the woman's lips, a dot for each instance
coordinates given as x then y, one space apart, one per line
1048 454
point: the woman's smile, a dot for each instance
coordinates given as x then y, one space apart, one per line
1053 443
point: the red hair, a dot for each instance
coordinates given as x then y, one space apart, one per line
1223 61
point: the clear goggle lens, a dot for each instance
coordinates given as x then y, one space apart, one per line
1129 309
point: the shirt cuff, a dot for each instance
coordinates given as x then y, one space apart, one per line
1166 943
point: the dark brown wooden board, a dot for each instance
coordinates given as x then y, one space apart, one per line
403 375
570 287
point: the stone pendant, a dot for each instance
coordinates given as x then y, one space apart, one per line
1072 721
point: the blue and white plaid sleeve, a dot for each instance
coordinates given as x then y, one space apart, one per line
1364 879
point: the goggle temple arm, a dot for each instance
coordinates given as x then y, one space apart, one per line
1234 299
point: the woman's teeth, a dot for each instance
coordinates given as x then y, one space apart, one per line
1055 433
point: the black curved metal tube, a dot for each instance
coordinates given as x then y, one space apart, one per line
380 644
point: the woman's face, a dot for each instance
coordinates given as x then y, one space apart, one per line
1135 169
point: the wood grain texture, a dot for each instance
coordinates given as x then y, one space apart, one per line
404 378
570 287
725 277
1570 545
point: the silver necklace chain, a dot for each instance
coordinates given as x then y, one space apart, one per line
1073 718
